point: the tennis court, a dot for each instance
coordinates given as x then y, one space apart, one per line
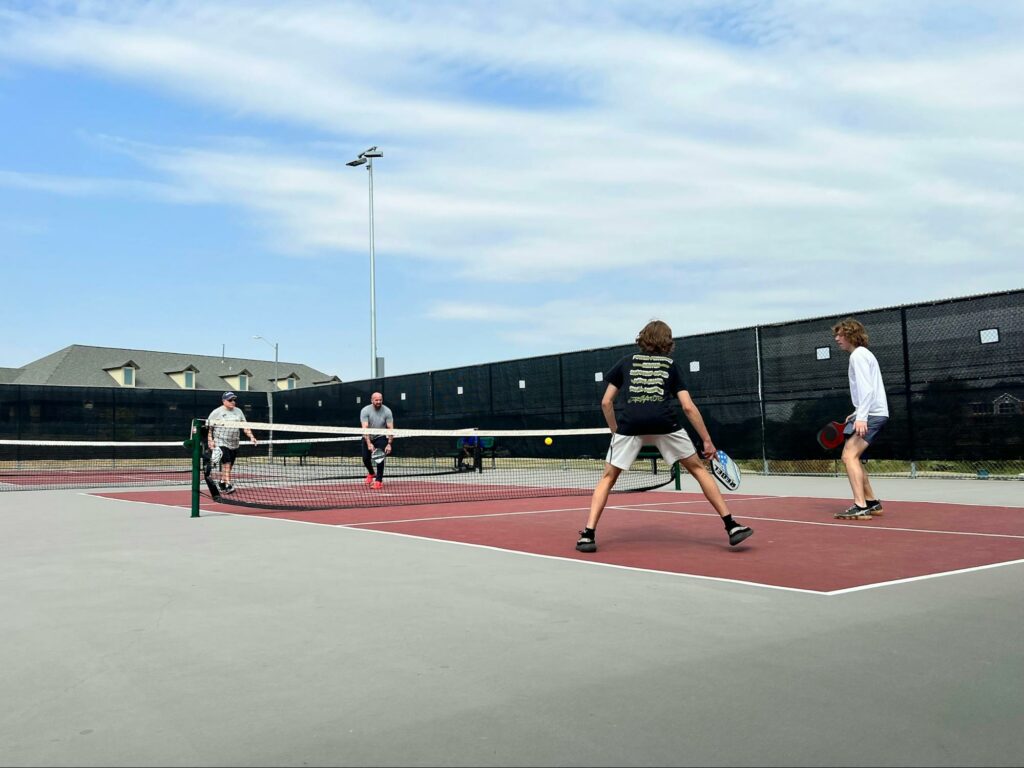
475 634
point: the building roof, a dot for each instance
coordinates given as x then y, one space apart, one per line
7 375
84 366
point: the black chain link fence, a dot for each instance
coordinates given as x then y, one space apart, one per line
953 372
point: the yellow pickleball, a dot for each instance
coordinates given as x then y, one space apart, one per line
548 441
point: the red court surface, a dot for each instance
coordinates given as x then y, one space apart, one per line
797 544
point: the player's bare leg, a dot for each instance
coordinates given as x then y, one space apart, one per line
859 484
695 467
707 483
600 497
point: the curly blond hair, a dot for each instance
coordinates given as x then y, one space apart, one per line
852 330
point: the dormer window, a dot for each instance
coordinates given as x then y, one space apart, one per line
1006 405
291 381
240 381
123 373
183 377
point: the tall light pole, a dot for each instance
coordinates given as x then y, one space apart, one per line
366 158
270 444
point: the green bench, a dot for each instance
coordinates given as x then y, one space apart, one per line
293 451
487 448
652 453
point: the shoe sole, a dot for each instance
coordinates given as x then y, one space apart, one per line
740 537
865 516
586 548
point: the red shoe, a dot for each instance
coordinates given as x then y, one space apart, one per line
370 479
377 485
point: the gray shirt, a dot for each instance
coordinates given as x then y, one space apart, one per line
376 418
226 437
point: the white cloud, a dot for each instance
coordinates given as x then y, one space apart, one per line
780 144
76 186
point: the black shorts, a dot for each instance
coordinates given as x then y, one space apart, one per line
379 442
228 455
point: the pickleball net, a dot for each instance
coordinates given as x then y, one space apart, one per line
27 465
30 465
321 467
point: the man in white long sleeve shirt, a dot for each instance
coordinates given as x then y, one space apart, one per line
870 415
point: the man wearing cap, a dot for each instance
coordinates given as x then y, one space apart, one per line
226 438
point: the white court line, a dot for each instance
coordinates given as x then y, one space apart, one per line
468 517
845 500
592 562
701 500
859 527
262 514
926 577
834 593
625 508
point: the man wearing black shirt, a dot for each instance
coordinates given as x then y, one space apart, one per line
651 380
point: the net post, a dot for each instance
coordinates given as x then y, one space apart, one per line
197 456
677 476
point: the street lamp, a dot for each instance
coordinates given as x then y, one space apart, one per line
366 158
270 445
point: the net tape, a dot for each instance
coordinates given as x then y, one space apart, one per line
360 431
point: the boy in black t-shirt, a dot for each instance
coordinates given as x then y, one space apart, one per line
651 381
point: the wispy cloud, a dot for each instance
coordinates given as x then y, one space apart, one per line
577 145
78 186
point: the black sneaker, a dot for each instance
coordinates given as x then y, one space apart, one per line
854 513
222 485
738 534
586 543
874 507
227 488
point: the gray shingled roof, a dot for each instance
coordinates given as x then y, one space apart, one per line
85 366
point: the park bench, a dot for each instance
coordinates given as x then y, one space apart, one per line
652 453
293 451
486 448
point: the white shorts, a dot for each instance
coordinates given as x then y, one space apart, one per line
673 447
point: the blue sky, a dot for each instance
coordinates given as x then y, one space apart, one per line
172 174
